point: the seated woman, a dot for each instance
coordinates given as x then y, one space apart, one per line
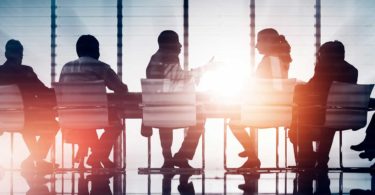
330 67
275 64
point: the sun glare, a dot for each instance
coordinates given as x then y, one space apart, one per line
224 83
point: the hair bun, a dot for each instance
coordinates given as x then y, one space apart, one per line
282 38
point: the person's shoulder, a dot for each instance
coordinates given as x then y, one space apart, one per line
350 67
156 55
102 64
156 59
27 68
93 62
3 69
70 63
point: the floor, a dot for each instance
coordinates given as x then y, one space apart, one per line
211 182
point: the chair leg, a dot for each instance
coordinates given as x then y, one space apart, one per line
149 152
341 182
124 145
254 136
73 152
286 147
53 153
296 148
225 145
203 149
340 148
147 170
12 149
277 147
149 184
62 151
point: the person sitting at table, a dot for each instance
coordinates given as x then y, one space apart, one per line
275 64
38 122
89 66
165 64
330 66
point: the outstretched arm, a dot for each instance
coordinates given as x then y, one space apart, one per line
114 83
199 71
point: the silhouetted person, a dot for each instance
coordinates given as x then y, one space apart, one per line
38 122
274 64
276 55
87 64
331 66
165 64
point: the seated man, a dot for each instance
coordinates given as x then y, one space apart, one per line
165 64
87 64
40 122
330 67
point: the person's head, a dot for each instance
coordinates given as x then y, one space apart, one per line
14 51
267 41
87 45
168 40
270 42
330 52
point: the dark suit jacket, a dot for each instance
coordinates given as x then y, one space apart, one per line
26 79
34 93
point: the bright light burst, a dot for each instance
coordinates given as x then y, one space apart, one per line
224 83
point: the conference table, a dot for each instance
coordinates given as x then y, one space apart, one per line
208 106
129 106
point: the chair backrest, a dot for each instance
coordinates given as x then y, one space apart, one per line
82 105
268 103
12 116
77 77
347 106
168 104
